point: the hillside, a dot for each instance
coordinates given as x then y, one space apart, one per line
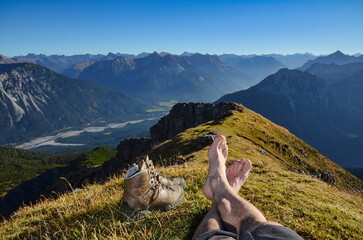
345 81
18 165
333 73
35 100
290 182
5 60
28 176
350 89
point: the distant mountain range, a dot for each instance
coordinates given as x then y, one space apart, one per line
304 104
162 77
258 67
338 58
66 64
57 63
74 71
293 60
35 100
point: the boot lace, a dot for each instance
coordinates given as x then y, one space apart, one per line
155 175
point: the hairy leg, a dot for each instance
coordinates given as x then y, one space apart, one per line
211 221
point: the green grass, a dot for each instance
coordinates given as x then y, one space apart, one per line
99 155
313 208
17 165
12 175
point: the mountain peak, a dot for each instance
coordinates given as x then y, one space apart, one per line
338 54
155 54
337 57
187 54
163 54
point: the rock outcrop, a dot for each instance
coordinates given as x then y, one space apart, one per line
186 115
127 151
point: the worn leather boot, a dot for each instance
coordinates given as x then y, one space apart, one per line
161 178
143 191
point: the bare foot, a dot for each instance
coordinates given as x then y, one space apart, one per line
217 154
237 173
222 152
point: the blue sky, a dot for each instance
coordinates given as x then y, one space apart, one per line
242 27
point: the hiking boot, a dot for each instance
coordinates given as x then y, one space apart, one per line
161 178
143 191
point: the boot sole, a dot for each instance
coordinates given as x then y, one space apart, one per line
169 206
130 213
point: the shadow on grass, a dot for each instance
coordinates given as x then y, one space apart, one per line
196 220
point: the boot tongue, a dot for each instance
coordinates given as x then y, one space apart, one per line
142 165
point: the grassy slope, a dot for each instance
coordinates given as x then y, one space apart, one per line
99 155
313 208
18 165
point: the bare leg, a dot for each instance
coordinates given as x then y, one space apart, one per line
237 174
211 221
237 214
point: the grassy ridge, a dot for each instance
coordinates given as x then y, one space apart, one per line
313 208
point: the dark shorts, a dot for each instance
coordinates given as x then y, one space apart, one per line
265 232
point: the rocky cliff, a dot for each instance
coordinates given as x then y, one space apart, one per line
186 115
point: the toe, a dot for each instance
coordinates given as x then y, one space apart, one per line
240 166
217 140
247 165
234 166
